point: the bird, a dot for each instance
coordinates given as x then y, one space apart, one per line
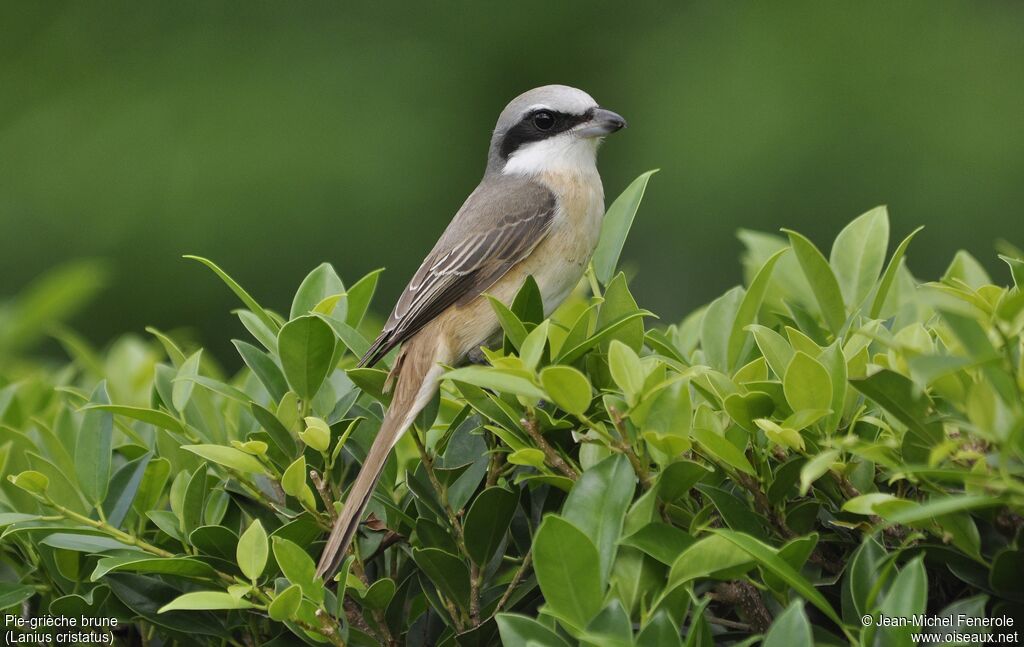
537 212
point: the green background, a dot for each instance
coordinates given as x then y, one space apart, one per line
272 136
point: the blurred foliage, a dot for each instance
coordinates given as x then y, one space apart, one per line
833 440
267 135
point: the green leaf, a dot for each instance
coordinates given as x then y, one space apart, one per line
1016 270
770 560
659 540
285 605
677 478
774 347
319 284
501 380
306 347
937 507
619 304
564 559
259 330
569 353
181 566
193 501
659 632
123 487
861 579
722 450
898 395
183 384
249 302
671 413
791 627
597 505
532 349
445 570
816 468
567 387
616 225
252 551
516 629
298 567
528 304
359 297
716 325
379 594
278 433
351 338
907 597
85 543
294 478
807 383
527 456
14 594
858 254
228 457
710 556
30 481
93 449
515 331
611 627
487 522
746 313
834 361
967 269
317 434
263 367
821 279
149 416
889 276
205 600
626 369
746 407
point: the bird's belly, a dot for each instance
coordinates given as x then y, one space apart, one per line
556 264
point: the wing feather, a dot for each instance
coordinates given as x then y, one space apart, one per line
498 226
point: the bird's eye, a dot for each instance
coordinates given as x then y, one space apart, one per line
544 120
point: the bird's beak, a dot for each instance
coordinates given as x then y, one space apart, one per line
604 122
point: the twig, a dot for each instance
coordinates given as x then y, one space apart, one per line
324 492
748 599
623 446
728 624
516 577
474 593
553 457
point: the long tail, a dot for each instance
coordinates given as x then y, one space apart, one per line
417 377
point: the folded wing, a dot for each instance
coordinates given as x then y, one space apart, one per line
496 228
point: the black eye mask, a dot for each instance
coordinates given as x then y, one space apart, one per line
527 130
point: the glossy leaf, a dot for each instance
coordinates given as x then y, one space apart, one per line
616 225
306 346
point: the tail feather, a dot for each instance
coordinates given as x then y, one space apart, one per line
417 382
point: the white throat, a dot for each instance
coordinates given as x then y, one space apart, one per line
565 153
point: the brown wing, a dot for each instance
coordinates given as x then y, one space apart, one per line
498 226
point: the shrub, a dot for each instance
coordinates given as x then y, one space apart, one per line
832 441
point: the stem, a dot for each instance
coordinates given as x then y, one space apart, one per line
516 578
475 576
553 457
324 492
639 466
116 533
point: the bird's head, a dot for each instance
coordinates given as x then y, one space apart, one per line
551 128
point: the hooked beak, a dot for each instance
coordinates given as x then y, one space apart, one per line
604 122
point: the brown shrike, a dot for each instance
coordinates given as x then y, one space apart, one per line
537 211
